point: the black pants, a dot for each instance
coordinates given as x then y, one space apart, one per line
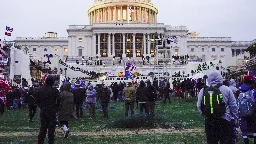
48 121
79 110
143 106
219 130
151 108
32 111
129 105
105 109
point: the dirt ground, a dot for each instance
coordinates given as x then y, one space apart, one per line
109 133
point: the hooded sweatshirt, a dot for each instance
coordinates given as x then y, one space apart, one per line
232 86
215 78
91 94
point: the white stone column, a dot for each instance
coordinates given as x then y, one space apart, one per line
98 19
103 15
94 16
156 18
124 55
234 52
113 45
69 45
99 45
133 45
140 15
115 12
127 14
108 14
111 13
121 13
93 45
109 44
149 42
144 44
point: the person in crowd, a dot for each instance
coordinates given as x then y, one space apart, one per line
66 108
9 99
219 127
91 100
166 93
115 89
48 99
232 86
142 97
31 101
152 96
248 122
79 97
1 107
104 97
129 98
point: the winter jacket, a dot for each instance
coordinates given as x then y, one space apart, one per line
48 98
66 107
232 86
129 94
104 95
215 78
91 95
142 92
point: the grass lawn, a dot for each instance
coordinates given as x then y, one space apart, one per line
179 123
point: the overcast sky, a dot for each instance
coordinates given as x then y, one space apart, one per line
211 18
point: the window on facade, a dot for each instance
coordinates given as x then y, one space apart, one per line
56 49
65 49
213 49
80 39
45 49
222 49
34 49
202 49
192 49
80 52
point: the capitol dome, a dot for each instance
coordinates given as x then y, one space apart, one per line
123 11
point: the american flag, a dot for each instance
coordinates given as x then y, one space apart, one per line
9 29
130 8
128 74
129 67
173 39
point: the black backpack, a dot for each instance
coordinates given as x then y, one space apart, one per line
212 102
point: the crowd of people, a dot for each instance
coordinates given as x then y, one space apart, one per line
225 104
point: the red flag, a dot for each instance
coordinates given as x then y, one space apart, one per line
8 34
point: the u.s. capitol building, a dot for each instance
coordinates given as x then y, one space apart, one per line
128 30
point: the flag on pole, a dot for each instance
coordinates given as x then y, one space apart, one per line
8 34
130 8
9 29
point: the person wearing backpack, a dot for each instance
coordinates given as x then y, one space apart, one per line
218 106
246 104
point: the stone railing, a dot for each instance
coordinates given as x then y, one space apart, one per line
80 26
138 1
209 39
241 43
41 38
140 25
168 27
